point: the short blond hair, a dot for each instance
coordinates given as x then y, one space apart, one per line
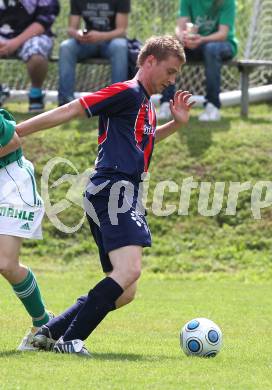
161 47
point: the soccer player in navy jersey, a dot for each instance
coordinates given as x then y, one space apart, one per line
127 133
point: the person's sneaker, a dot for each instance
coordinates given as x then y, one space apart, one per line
164 112
71 347
4 93
36 104
27 342
43 339
211 113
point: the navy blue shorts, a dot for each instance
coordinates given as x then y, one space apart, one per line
114 217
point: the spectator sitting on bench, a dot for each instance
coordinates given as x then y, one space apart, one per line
106 22
25 33
207 30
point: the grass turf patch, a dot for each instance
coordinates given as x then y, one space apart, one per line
137 347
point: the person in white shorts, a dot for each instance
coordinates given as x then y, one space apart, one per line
21 213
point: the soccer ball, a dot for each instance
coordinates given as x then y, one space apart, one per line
201 337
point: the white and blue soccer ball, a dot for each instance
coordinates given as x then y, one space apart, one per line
201 337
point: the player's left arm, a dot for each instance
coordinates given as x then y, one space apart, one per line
220 35
51 118
14 144
180 109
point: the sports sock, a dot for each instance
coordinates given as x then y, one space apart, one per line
35 92
29 294
100 301
59 324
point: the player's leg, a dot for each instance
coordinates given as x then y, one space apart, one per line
120 249
121 264
35 53
116 50
214 53
56 328
23 282
126 262
46 337
37 67
71 51
21 213
48 334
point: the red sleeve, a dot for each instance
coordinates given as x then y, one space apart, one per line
109 100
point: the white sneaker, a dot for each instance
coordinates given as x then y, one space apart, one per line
26 343
164 112
211 113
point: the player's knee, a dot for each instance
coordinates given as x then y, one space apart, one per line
66 47
118 46
119 43
127 275
37 58
211 50
134 273
7 266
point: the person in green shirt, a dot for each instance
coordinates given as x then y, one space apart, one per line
21 213
207 30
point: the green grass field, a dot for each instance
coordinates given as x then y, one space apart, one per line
138 347
217 267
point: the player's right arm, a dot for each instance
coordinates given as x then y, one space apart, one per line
74 30
51 118
14 144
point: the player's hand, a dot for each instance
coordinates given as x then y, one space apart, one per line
192 41
8 47
91 37
180 106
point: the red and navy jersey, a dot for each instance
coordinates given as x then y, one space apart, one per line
127 125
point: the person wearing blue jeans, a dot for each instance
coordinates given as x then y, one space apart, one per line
104 36
213 54
207 31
